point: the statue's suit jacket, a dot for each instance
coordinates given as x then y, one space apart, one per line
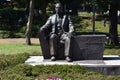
66 25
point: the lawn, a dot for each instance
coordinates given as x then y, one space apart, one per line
112 50
98 24
16 48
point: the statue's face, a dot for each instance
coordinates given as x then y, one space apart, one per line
58 8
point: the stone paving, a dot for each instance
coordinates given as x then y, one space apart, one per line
17 40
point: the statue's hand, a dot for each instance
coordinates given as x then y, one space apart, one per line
51 33
69 34
42 29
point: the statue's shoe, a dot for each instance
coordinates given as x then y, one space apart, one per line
68 59
53 58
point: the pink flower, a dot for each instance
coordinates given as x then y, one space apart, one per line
50 78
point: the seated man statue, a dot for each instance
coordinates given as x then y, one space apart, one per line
61 31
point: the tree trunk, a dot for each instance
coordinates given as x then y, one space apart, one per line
113 24
29 23
44 15
12 3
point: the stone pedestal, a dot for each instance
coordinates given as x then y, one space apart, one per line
83 47
88 47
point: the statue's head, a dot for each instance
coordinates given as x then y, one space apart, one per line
58 8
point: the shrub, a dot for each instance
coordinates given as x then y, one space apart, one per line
85 23
102 16
77 22
35 30
41 72
11 19
15 76
12 60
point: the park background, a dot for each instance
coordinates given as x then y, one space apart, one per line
14 15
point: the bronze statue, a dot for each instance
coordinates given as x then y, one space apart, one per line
61 31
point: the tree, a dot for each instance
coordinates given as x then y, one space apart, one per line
33 5
71 5
20 3
113 22
41 5
29 23
102 5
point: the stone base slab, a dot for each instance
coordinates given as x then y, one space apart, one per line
110 64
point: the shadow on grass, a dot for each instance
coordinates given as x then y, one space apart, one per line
37 44
33 44
112 47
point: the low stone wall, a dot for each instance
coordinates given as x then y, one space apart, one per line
83 47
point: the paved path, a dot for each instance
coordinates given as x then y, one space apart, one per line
18 40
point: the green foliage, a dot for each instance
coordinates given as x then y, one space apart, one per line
42 72
23 29
50 7
11 68
65 72
111 49
76 21
3 34
85 23
7 64
35 30
102 16
11 60
11 20
21 3
85 15
102 5
11 34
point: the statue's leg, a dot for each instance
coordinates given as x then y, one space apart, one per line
53 44
67 47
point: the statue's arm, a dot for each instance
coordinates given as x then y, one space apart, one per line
71 27
46 25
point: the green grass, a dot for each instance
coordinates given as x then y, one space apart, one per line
98 27
16 48
112 50
84 14
98 24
